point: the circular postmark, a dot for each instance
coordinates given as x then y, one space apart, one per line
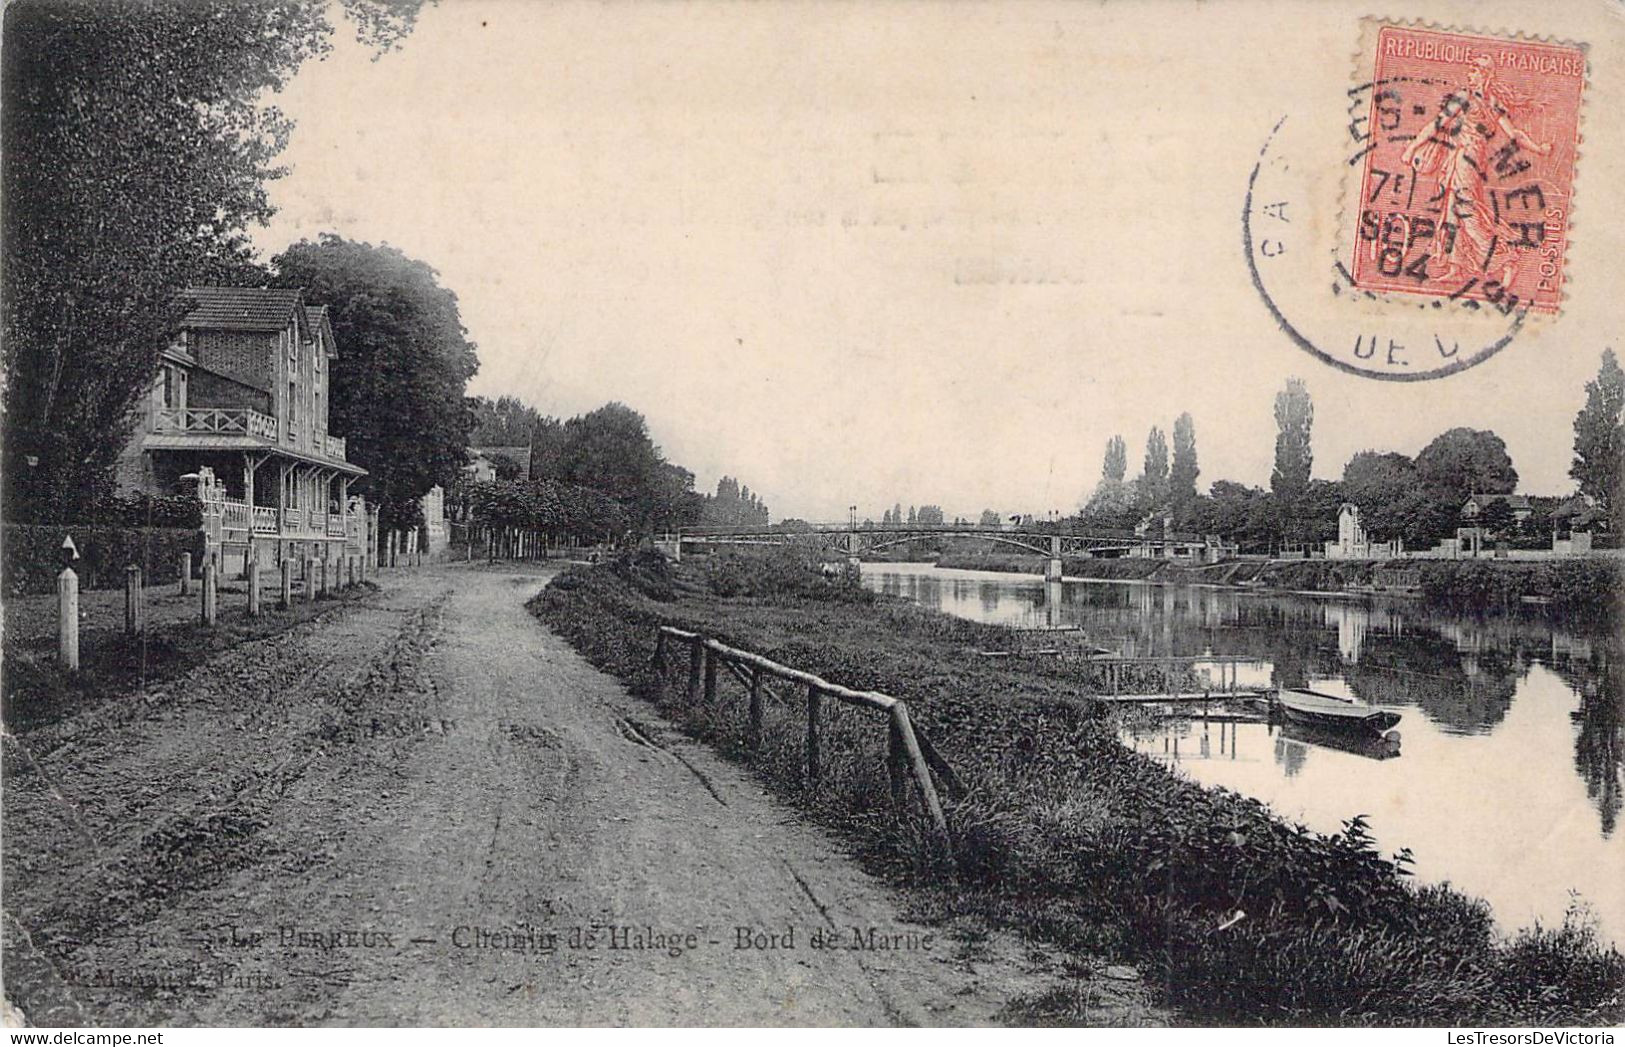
1291 221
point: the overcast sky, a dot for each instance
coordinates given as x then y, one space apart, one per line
865 253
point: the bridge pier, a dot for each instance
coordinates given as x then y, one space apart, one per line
1052 569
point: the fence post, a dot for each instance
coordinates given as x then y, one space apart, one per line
132 600
67 618
287 583
922 771
310 579
896 764
813 702
186 573
349 570
755 706
253 573
711 664
659 661
696 665
324 576
209 607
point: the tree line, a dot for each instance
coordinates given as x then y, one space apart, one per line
594 477
1415 500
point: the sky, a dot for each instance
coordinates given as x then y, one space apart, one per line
904 252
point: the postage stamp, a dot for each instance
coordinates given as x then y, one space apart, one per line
1466 176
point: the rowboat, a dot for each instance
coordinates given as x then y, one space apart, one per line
1330 712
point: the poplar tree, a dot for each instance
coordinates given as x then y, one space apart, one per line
1599 437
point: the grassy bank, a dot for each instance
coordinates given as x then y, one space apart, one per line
1069 837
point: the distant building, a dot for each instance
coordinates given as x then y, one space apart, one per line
1471 535
1354 544
1477 503
482 462
435 532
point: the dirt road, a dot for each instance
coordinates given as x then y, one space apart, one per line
431 811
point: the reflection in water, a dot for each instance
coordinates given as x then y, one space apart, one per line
1290 755
1599 746
1510 782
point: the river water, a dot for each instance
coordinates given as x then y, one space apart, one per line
1507 777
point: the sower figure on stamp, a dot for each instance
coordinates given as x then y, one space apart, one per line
1456 147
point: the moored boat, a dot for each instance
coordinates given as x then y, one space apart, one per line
1330 712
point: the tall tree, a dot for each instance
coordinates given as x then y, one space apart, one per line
547 449
1184 471
135 150
1154 473
1383 485
610 450
1461 462
1599 437
404 362
506 421
1294 419
1115 466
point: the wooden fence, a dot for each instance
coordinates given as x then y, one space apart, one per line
909 751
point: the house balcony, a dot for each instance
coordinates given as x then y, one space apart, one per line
224 428
216 421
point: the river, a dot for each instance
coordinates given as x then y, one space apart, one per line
1507 778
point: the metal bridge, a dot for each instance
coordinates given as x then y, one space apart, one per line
857 541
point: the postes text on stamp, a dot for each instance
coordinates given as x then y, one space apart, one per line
1467 174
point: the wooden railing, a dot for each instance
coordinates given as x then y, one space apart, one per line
233 515
908 751
265 519
218 421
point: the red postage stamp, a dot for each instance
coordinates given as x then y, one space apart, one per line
1467 174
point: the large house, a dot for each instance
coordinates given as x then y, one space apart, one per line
238 415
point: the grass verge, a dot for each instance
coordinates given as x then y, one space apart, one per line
38 691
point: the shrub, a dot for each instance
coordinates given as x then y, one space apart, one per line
32 564
782 571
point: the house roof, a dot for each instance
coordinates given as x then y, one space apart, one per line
244 308
519 454
316 320
1516 501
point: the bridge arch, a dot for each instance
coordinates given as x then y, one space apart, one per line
1039 550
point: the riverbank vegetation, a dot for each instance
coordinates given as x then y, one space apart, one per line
1065 834
1416 500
